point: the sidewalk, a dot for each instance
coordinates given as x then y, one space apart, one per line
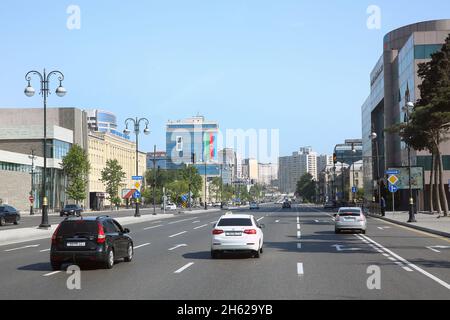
13 236
425 222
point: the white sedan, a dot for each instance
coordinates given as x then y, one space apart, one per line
169 206
237 233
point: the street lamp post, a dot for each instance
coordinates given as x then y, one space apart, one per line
136 123
206 180
32 157
412 218
44 91
374 137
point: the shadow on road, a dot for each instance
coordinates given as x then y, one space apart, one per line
206 255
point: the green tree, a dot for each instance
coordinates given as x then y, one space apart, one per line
76 167
215 187
112 176
306 187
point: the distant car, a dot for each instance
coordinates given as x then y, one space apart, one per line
287 205
237 233
90 239
71 210
351 219
9 214
254 206
169 206
329 205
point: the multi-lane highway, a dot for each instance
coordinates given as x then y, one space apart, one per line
303 259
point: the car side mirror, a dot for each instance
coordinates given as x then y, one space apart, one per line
126 230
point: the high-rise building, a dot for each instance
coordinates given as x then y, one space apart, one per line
103 121
323 161
160 158
227 161
250 170
394 81
292 168
267 173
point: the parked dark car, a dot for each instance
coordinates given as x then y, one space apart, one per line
9 214
98 240
71 210
287 205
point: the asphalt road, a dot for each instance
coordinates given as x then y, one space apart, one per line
303 259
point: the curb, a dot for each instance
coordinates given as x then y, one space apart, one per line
412 226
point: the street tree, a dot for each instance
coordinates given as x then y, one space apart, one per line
76 166
306 187
112 176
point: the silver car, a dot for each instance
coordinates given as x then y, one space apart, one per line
352 219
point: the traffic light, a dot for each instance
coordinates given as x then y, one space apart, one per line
335 158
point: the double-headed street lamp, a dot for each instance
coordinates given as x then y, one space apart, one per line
44 91
136 123
409 106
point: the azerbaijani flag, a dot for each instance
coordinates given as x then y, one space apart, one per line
209 146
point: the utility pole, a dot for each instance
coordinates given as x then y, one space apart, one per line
154 179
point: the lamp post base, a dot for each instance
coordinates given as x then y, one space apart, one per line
412 218
136 213
44 224
31 211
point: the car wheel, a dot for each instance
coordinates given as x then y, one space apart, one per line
16 222
256 255
337 231
56 266
2 221
109 262
261 250
363 231
130 251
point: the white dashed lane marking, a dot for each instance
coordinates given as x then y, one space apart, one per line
184 267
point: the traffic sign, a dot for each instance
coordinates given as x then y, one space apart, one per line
137 178
392 172
137 184
136 194
31 198
354 190
393 179
393 188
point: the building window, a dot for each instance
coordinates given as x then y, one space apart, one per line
179 146
425 51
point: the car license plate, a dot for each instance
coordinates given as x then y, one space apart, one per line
76 244
234 234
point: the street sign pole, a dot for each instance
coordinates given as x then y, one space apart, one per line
393 203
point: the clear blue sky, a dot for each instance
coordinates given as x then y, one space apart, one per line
298 66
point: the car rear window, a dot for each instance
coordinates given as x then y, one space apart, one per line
71 228
351 213
235 222
71 206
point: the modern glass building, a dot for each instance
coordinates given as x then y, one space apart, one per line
104 121
393 82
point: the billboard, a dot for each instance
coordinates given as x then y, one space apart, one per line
417 178
210 146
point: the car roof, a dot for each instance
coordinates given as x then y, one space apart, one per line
349 208
90 218
236 216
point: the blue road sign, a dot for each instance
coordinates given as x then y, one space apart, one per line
184 197
137 178
354 190
136 194
393 188
392 172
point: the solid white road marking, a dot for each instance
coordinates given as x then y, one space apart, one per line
184 268
196 221
51 273
200 227
142 245
411 265
300 269
339 248
177 234
44 250
24 247
148 228
260 219
178 246
276 221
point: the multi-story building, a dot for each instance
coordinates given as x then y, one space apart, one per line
323 161
227 161
250 170
103 121
105 146
393 79
267 173
292 168
21 134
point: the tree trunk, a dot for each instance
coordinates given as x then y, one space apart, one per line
431 184
441 185
436 185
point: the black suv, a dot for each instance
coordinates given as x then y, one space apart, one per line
90 239
71 210
287 205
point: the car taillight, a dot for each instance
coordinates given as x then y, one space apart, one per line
54 238
217 231
251 231
101 234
